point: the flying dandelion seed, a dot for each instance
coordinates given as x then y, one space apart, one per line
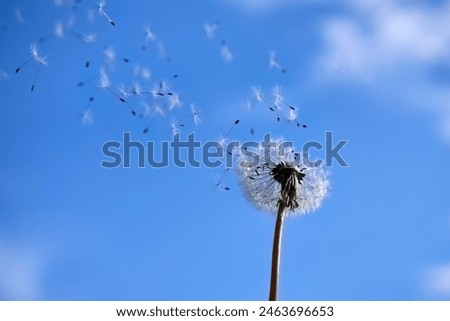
84 82
41 60
152 111
278 101
279 182
87 118
91 100
111 55
218 185
101 11
175 126
174 101
210 29
293 118
232 127
149 37
225 52
89 39
195 110
292 112
105 83
273 63
257 94
59 29
19 16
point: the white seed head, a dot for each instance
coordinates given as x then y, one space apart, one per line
278 98
292 115
34 50
174 101
278 174
104 79
90 38
256 92
110 53
87 118
195 111
226 53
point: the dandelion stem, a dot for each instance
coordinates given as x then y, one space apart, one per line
276 251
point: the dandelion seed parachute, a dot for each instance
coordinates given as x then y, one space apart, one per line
279 174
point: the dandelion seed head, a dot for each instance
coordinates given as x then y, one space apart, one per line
34 51
278 174
146 73
174 101
226 53
104 79
195 110
278 98
292 115
110 53
59 29
256 92
175 127
210 29
101 5
123 90
90 38
137 89
19 16
273 63
149 35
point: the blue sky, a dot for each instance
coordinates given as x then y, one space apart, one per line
375 74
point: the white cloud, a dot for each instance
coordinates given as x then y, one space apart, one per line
438 281
263 5
383 34
379 38
20 273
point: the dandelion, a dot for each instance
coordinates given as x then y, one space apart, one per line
101 11
41 60
278 181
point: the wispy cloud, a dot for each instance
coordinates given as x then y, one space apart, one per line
263 5
20 273
384 34
437 281
376 38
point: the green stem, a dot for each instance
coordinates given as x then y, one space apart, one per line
274 276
